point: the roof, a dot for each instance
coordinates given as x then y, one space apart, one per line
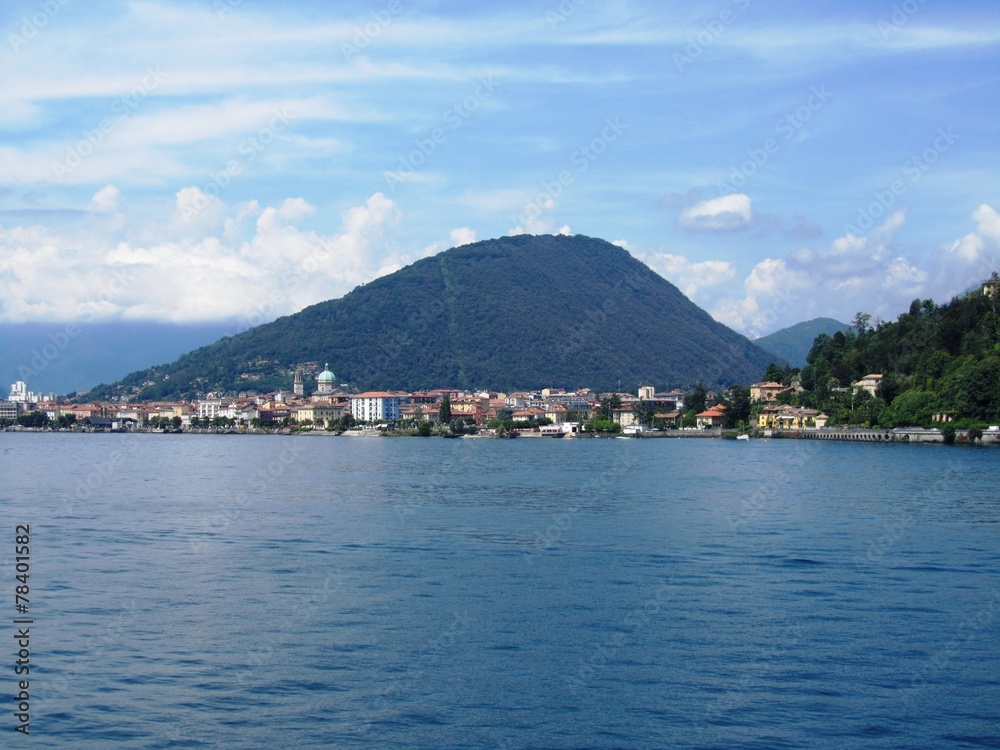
715 411
375 394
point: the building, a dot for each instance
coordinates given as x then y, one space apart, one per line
209 409
20 394
766 392
325 381
8 410
298 385
711 417
868 383
625 416
647 392
374 406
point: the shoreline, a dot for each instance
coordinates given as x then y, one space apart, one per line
899 435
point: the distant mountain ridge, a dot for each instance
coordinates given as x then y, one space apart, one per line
515 312
794 343
66 357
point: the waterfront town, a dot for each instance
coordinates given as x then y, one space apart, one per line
326 406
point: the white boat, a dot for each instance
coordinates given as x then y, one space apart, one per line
742 437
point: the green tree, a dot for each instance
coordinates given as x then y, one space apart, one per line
738 410
694 400
774 374
644 412
34 419
444 412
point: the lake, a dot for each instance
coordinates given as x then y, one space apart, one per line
265 591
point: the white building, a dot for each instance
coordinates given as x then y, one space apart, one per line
19 393
209 409
375 406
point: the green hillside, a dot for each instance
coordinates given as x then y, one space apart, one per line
934 359
794 343
516 312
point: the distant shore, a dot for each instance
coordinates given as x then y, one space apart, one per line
904 435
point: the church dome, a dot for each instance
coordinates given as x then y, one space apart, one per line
326 376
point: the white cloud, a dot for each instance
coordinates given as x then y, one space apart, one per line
107 200
859 274
726 214
691 278
462 236
188 275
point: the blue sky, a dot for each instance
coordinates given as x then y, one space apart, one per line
227 160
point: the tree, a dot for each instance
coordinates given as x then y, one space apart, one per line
861 321
644 412
694 400
444 413
608 405
774 374
738 410
34 419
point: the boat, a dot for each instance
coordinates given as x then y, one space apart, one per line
742 437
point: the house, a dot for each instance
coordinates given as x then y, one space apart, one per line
318 414
711 417
868 383
991 287
670 418
767 392
523 415
790 418
375 406
624 415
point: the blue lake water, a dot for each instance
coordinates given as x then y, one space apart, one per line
199 591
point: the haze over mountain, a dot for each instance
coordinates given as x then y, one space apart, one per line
66 357
516 312
794 343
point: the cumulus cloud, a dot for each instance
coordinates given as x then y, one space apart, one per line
691 278
726 214
536 217
463 236
858 273
250 262
107 200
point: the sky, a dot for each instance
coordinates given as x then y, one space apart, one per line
235 160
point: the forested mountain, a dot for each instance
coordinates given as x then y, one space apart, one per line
794 343
934 359
516 312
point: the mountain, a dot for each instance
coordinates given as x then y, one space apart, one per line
794 343
61 357
516 312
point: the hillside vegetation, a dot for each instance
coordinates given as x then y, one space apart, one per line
935 359
516 312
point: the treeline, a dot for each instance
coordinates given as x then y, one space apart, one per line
935 360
